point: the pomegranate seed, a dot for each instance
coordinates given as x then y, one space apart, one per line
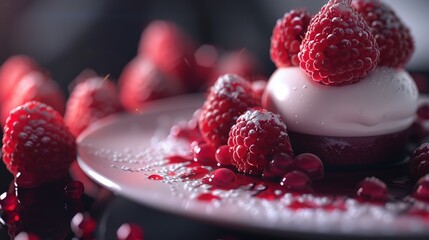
74 190
26 236
310 164
295 181
8 202
204 154
83 226
222 155
129 231
372 189
223 177
421 191
279 166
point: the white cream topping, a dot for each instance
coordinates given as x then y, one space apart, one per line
384 102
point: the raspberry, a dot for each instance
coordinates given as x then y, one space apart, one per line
228 98
256 138
11 72
243 63
338 48
37 146
287 36
91 100
34 86
394 39
419 161
171 50
142 81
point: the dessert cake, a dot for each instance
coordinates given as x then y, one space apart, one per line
341 96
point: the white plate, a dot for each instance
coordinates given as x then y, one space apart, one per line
122 151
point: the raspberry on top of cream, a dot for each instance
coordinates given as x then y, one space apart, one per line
341 88
384 102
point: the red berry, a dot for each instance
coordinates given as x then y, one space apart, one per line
37 144
228 98
310 164
172 51
287 36
34 86
256 138
372 189
83 226
129 231
222 177
421 191
141 81
223 156
204 154
12 71
338 48
419 161
91 99
393 38
242 63
296 181
8 202
279 166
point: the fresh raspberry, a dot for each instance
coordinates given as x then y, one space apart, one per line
37 146
91 100
12 71
419 161
239 62
141 82
394 39
34 86
171 50
338 48
256 138
287 36
228 98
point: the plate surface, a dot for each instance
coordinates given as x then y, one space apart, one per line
124 152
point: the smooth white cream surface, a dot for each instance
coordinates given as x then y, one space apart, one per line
384 102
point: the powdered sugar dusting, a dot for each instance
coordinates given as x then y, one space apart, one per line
224 85
261 115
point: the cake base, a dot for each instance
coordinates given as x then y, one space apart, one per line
353 152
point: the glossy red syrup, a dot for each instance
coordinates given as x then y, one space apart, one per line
208 197
155 177
195 173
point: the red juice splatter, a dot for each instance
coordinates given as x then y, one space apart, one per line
208 197
155 177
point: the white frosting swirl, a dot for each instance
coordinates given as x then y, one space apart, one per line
384 102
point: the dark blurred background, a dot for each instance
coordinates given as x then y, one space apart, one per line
66 37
